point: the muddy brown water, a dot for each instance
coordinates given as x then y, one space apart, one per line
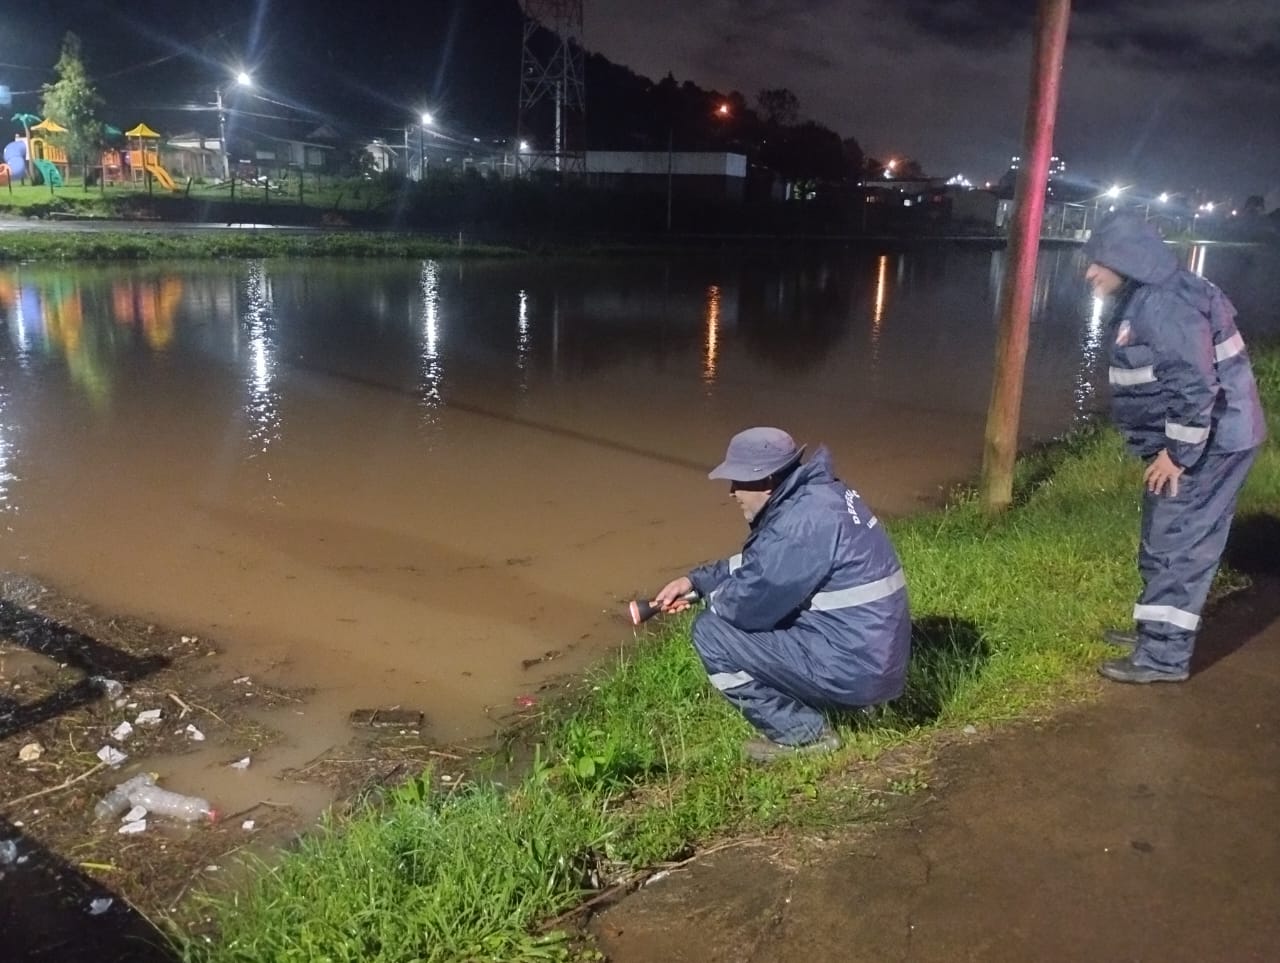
391 483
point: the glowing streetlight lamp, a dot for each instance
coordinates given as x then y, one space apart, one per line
723 110
1113 191
1164 197
242 80
425 120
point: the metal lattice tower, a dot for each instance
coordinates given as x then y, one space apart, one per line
553 103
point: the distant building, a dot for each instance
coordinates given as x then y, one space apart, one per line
710 174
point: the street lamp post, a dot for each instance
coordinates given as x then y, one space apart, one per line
425 121
242 80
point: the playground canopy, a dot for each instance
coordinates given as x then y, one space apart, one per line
50 127
142 130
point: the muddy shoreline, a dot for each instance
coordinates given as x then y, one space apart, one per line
70 675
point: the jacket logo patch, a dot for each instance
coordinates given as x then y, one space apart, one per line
1124 335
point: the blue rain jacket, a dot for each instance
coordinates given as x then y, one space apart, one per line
819 566
1179 372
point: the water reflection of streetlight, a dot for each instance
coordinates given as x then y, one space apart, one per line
711 345
429 285
877 311
1090 347
522 338
7 452
263 405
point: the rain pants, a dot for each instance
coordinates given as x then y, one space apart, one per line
1180 382
811 615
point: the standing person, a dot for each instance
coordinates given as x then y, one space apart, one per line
1184 397
812 614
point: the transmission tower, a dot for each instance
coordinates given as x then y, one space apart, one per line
551 130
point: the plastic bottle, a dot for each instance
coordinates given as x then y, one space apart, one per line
162 802
116 802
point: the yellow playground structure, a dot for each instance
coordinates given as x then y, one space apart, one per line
145 159
48 158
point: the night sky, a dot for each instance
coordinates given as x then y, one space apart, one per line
1173 94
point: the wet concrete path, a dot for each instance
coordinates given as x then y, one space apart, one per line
1141 827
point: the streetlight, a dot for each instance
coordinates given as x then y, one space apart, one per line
242 80
426 120
1113 191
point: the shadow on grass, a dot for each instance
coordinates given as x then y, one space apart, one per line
1254 549
63 644
945 654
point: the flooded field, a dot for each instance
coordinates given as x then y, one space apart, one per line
434 485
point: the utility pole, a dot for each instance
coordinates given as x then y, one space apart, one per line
222 136
1001 443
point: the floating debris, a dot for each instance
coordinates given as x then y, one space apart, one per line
394 718
30 752
122 732
195 734
148 717
133 828
241 764
99 906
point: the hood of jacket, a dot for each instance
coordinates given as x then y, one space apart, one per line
1131 247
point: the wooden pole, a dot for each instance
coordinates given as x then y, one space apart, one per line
1001 447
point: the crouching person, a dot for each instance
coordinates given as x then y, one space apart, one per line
812 615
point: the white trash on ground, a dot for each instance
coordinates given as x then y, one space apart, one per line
122 732
111 756
148 717
30 752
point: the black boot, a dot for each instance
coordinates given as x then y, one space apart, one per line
1123 670
1125 639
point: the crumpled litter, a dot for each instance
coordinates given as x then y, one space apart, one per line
30 752
122 732
247 825
133 828
99 906
148 717
241 763
134 814
195 734
111 755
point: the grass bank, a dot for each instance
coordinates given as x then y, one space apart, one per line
145 245
644 766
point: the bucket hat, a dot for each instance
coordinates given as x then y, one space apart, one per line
757 453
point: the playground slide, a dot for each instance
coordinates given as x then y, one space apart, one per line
4 174
49 172
162 177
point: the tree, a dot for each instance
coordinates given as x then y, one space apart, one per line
73 101
778 106
854 158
